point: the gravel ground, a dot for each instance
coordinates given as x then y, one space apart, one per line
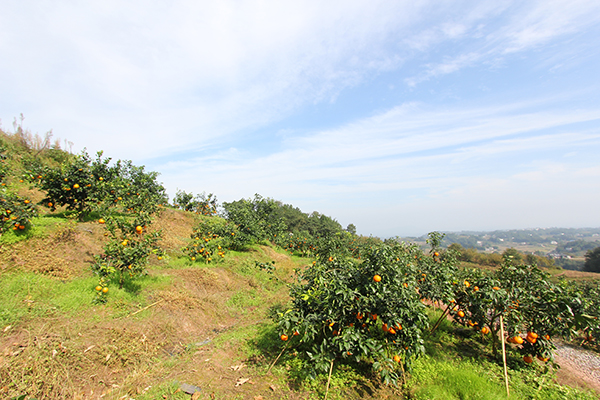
583 363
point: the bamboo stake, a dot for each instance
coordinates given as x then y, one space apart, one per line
439 321
329 378
504 355
145 308
273 363
403 373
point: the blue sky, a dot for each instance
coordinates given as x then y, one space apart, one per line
401 117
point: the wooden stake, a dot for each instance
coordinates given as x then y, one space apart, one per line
439 321
403 373
504 355
273 363
329 379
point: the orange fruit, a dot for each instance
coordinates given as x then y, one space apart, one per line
533 335
76 186
392 331
397 358
100 221
467 284
284 337
517 340
98 288
105 290
384 327
49 204
496 288
528 359
377 278
138 229
485 330
296 333
461 314
544 359
436 254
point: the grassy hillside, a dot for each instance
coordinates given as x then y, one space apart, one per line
195 323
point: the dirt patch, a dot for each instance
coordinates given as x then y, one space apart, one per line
176 227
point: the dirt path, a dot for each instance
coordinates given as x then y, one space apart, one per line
579 367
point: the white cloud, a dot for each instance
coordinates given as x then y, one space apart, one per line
178 84
409 153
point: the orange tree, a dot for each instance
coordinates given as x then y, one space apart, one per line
436 274
211 238
300 242
257 219
534 309
134 190
131 200
79 184
365 312
130 246
361 245
590 295
15 211
201 204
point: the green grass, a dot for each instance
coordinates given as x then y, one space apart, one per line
444 380
40 227
459 365
29 295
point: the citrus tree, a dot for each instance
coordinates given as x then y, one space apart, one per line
533 308
15 211
590 295
201 204
130 244
79 184
211 238
257 219
366 312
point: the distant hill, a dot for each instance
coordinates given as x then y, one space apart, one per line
567 246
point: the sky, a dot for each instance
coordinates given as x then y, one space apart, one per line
400 117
